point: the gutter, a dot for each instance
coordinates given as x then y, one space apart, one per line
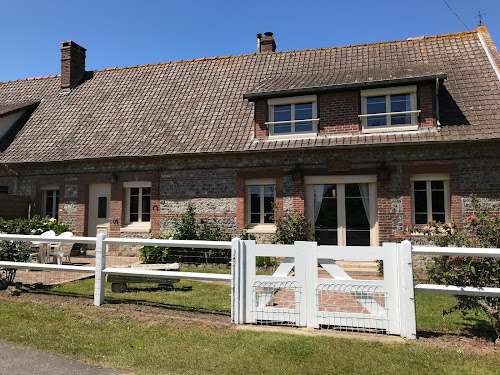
438 123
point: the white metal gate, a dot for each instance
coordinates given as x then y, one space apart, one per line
297 295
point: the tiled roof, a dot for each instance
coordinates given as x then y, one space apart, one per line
6 109
342 79
198 106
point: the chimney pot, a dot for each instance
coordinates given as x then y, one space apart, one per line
72 64
267 43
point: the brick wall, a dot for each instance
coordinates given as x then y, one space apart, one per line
339 113
216 183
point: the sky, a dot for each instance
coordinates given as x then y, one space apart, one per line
136 32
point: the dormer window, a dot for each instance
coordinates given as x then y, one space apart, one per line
292 116
389 109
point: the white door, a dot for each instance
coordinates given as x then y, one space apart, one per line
99 212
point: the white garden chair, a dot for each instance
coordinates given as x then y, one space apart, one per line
43 248
63 249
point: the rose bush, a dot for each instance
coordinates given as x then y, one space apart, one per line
482 229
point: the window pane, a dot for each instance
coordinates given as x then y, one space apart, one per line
4 190
326 218
102 207
401 119
419 185
255 218
268 199
49 202
282 128
268 218
324 237
439 217
56 206
358 238
376 121
134 191
303 111
134 208
146 207
282 112
356 214
420 202
438 201
400 103
146 191
437 185
255 199
420 218
303 127
375 104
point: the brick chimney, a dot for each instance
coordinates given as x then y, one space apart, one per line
72 64
266 43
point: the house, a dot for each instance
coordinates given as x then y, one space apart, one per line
365 139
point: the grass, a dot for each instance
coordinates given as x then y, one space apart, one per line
188 295
430 318
178 347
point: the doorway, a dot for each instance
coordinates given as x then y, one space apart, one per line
99 209
343 210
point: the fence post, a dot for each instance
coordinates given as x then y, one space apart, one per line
309 252
100 265
235 280
406 291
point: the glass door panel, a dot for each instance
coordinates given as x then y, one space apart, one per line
325 214
357 211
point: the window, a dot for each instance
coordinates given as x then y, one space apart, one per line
430 198
389 109
4 190
138 203
292 116
50 201
343 209
260 198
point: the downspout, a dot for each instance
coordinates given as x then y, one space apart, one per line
438 123
15 180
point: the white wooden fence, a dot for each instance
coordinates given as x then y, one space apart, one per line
295 294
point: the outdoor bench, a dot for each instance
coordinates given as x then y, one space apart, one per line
119 282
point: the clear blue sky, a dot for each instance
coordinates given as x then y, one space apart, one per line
134 32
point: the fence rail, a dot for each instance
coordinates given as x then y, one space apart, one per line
100 270
457 289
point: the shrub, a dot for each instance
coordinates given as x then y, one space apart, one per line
293 226
12 251
482 229
189 227
33 226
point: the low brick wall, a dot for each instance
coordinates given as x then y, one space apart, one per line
13 206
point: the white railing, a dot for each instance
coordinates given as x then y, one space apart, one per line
457 289
100 270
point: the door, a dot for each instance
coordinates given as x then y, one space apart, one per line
343 212
99 212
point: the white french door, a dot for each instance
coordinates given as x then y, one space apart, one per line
343 209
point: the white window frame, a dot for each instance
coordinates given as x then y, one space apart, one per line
341 181
428 178
292 101
387 92
260 227
135 225
54 191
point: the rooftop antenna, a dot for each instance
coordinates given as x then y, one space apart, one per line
480 17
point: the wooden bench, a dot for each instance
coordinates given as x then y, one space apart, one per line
119 282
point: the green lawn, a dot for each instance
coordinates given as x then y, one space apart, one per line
215 298
99 336
188 295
